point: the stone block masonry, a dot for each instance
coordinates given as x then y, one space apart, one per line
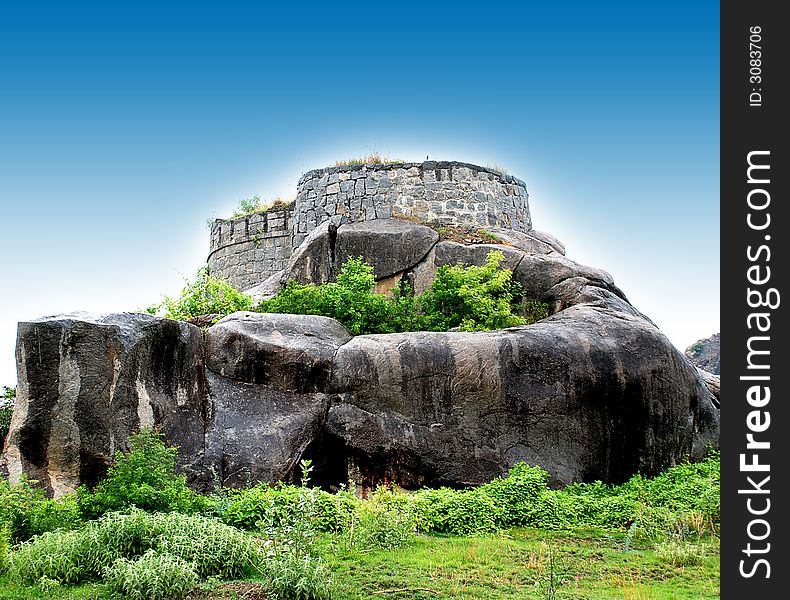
246 250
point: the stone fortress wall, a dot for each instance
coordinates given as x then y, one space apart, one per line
246 250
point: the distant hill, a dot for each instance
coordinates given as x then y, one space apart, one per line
706 354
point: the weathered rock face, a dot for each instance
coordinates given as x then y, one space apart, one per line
293 353
706 354
588 394
85 383
595 391
390 245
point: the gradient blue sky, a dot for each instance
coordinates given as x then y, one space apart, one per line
125 126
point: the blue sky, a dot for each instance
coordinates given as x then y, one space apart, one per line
125 126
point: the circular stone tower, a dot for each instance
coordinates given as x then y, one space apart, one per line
246 250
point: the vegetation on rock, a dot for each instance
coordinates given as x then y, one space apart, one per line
206 295
469 298
463 297
254 205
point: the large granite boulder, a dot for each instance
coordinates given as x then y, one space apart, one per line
595 391
85 383
392 246
288 352
589 393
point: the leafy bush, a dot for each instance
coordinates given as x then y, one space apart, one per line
145 478
289 519
58 556
213 548
6 411
153 576
25 511
516 495
686 487
250 206
278 506
466 512
203 296
472 298
292 576
384 521
5 548
469 297
349 300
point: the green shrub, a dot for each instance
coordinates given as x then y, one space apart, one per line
145 478
5 548
471 298
292 576
153 576
7 400
384 521
251 206
553 511
205 295
685 487
515 495
248 206
213 548
277 506
58 556
25 511
466 512
349 300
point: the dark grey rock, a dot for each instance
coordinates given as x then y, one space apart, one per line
587 394
257 432
594 391
390 245
531 242
452 253
289 352
706 354
87 382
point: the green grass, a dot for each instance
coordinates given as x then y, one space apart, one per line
647 539
11 590
586 565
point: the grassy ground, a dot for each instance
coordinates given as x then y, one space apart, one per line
524 563
527 564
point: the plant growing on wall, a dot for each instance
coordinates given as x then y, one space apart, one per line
251 206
